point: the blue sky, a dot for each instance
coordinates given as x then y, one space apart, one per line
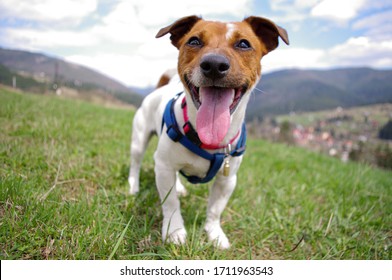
117 37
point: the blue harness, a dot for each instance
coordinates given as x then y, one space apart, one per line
216 159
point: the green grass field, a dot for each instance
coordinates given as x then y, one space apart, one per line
63 195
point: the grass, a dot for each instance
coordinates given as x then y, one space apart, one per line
63 195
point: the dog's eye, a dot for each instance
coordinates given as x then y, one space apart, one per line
243 44
194 41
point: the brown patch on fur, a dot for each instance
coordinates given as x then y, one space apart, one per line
164 80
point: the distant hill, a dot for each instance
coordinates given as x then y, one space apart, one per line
24 83
46 69
142 91
286 91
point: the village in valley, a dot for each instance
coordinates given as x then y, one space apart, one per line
348 134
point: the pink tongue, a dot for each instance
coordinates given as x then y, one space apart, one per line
213 116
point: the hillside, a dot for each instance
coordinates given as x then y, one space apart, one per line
63 195
311 90
24 83
47 69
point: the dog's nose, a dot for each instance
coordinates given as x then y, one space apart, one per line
214 66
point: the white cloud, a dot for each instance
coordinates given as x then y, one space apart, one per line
133 70
354 52
378 5
294 11
47 10
362 51
157 12
293 5
37 39
138 21
338 10
377 20
378 25
293 58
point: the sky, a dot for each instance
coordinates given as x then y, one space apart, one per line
117 37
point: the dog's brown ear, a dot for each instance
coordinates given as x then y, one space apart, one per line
268 32
178 29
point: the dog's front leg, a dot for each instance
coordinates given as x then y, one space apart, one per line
173 229
219 196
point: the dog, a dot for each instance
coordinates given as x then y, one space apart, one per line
199 115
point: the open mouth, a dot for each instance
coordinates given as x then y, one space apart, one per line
214 105
197 99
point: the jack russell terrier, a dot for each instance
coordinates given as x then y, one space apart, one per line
199 116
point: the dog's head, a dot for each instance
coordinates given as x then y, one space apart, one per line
219 63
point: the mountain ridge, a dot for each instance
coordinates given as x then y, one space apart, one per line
52 70
36 63
289 90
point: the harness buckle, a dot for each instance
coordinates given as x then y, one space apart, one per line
174 134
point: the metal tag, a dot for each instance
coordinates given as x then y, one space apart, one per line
226 168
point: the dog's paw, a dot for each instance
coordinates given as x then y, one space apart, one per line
217 237
133 186
177 237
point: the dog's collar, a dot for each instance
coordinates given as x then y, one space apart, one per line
191 133
216 159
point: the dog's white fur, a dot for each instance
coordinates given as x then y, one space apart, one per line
170 157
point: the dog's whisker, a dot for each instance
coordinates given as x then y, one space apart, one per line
257 91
